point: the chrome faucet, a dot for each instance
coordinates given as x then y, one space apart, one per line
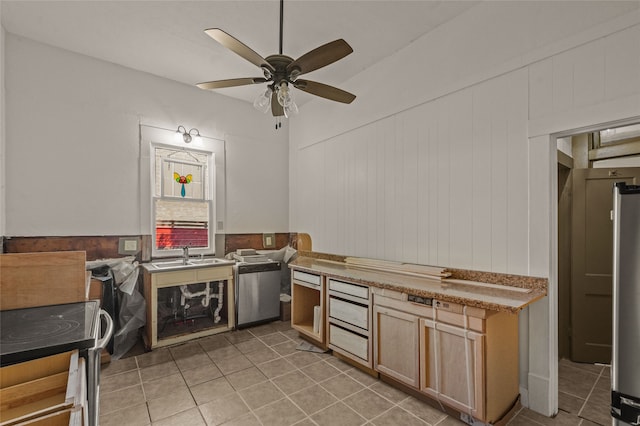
185 255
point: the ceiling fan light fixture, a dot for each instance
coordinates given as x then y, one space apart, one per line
284 94
267 73
263 101
290 110
284 97
294 74
286 100
280 71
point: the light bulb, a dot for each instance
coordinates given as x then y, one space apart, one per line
263 101
290 109
284 97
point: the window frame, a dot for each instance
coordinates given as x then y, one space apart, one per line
209 197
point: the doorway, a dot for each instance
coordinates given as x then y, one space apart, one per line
588 165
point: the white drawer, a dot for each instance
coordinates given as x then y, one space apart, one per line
349 312
306 277
350 342
351 289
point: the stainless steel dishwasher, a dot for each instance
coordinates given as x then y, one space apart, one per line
257 292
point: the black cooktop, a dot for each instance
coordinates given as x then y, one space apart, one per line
31 333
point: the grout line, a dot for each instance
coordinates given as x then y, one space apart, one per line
590 393
516 415
412 414
573 395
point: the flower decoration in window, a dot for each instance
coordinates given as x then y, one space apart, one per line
184 180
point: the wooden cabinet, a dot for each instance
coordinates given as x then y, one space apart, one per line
396 323
46 391
176 306
466 358
396 347
452 365
349 319
469 359
307 306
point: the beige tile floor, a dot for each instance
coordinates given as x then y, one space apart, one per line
258 377
584 397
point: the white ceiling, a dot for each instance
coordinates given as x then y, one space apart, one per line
166 38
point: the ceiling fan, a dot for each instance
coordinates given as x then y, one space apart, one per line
282 71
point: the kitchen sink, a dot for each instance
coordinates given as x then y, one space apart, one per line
191 263
210 261
169 264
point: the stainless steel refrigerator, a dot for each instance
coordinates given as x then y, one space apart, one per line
625 362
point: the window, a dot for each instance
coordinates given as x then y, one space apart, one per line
182 200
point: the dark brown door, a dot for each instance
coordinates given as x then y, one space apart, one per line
592 258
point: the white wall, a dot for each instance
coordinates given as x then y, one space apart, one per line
257 191
446 156
72 144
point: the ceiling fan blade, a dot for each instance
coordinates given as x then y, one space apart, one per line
324 91
232 82
238 47
276 108
320 57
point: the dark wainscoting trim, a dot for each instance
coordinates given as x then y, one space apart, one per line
96 247
232 242
104 247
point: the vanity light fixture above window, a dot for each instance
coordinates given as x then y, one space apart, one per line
187 137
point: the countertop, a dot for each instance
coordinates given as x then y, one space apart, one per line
498 292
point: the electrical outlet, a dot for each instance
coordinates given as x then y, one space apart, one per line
128 245
268 240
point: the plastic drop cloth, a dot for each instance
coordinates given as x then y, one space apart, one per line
133 310
285 255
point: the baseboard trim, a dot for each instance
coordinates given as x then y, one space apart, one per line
538 394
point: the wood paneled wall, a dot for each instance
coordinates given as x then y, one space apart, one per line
444 183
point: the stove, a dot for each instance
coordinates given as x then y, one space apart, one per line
31 333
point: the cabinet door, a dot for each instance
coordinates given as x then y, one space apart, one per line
396 344
451 362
